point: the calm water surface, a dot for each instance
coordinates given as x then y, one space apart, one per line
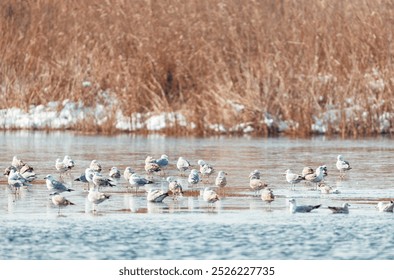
240 226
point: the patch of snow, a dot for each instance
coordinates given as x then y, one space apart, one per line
319 127
242 127
86 84
268 120
217 128
156 122
237 107
384 122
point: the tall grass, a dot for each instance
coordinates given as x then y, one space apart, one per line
290 59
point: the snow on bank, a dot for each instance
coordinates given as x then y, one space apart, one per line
67 114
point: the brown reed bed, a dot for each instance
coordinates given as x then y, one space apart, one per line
292 60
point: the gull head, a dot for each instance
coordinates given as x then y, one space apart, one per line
291 201
48 177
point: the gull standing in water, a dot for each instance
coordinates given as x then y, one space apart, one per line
19 164
342 165
221 180
97 197
89 174
294 208
174 187
156 195
206 169
151 166
182 165
255 183
316 177
210 196
293 178
340 210
55 185
64 166
16 181
127 173
138 181
267 195
114 173
193 178
60 201
100 181
163 162
24 169
28 174
86 177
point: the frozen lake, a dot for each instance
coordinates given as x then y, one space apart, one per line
240 226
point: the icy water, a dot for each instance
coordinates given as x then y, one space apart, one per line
239 226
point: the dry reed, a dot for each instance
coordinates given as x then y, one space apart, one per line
289 59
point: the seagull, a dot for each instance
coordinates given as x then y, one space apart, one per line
138 181
101 181
55 185
307 170
95 166
86 177
268 196
16 180
89 173
28 174
18 163
256 184
210 196
174 187
221 180
326 189
293 178
127 173
340 210
316 177
114 173
294 208
60 166
182 165
385 207
24 169
60 201
206 169
193 178
163 162
96 197
342 165
156 195
64 166
151 166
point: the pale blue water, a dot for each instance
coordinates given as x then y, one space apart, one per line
240 226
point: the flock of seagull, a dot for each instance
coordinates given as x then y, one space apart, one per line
21 174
